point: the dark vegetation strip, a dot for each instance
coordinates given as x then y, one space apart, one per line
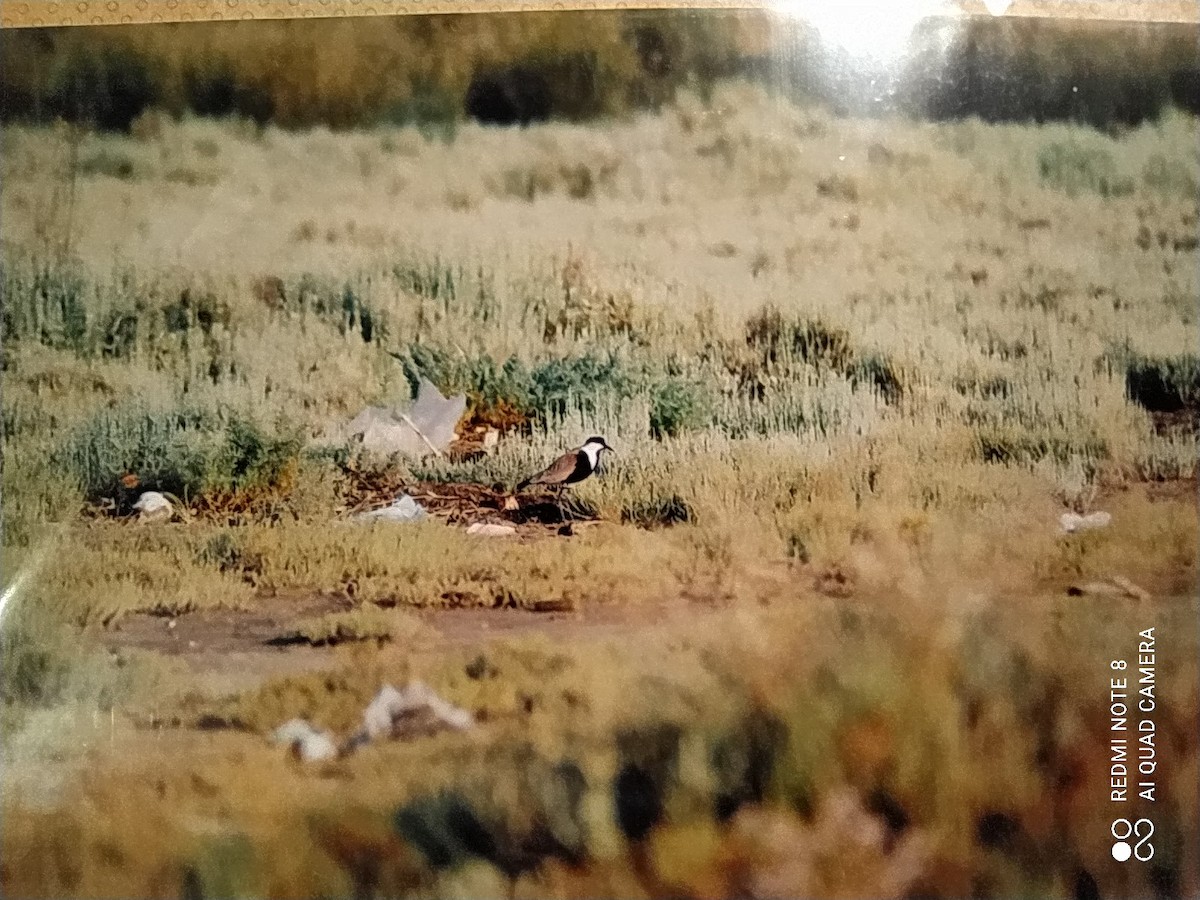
580 66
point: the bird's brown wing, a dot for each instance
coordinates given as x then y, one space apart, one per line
557 472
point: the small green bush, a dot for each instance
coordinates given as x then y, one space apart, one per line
1016 446
250 457
35 664
102 86
1170 177
45 304
677 406
544 392
1164 384
212 88
182 451
987 387
657 511
1076 169
880 373
784 343
481 378
432 108
779 339
107 163
559 386
113 318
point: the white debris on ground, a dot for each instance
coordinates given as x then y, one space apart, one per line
426 427
1070 522
153 507
307 743
415 709
403 509
490 529
1113 586
394 714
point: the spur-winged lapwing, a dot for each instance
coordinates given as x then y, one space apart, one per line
570 468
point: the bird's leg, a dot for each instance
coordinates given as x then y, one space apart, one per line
566 513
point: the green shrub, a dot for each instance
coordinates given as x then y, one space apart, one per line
1170 177
1017 446
677 406
784 343
211 87
433 108
560 386
1164 384
35 663
485 382
987 387
113 318
183 451
779 339
251 457
880 373
544 392
104 86
108 163
657 510
47 305
1076 169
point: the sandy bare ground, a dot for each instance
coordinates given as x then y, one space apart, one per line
236 649
230 650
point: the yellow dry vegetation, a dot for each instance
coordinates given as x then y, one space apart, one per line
862 368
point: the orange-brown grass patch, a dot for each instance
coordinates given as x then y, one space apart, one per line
963 737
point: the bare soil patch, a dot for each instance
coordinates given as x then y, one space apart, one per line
238 648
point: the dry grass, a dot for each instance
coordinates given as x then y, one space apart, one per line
864 365
906 694
367 623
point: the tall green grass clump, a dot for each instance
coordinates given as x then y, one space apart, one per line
1165 384
785 345
1075 169
678 405
543 392
186 451
1170 177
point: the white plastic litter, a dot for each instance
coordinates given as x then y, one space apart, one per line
490 529
403 509
392 712
153 507
396 714
1071 522
1113 586
426 427
306 742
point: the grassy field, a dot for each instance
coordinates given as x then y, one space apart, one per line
854 371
